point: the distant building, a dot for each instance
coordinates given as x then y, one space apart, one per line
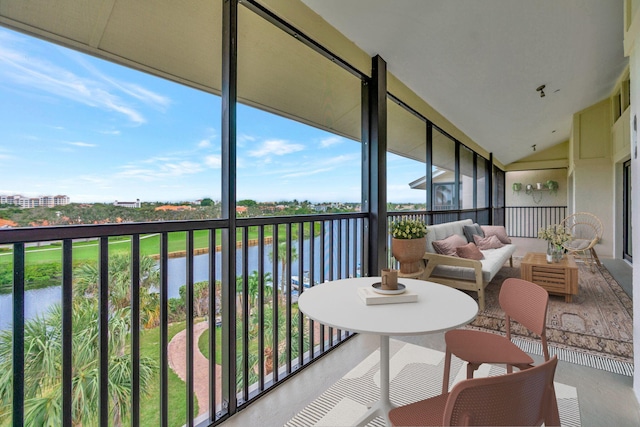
34 202
135 204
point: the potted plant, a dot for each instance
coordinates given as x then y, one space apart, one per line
552 186
556 236
408 244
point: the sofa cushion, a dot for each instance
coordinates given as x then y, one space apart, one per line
472 230
442 231
470 251
496 230
489 242
493 261
448 245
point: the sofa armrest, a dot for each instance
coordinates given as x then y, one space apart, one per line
434 260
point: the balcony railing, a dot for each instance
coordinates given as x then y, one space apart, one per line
527 220
168 278
258 341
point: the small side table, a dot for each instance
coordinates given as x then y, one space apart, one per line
558 278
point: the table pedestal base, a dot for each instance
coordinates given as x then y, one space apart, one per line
382 407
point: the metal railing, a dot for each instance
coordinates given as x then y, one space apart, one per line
526 221
259 339
256 336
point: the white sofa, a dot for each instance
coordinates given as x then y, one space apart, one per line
462 273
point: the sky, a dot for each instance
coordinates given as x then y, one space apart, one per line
75 125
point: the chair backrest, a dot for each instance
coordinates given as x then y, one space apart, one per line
526 303
523 398
583 225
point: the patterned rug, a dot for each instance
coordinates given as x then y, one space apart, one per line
415 374
595 329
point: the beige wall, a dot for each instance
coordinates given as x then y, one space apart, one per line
536 198
632 45
594 171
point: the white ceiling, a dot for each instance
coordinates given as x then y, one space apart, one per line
479 62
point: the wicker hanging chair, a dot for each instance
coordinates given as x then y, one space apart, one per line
586 232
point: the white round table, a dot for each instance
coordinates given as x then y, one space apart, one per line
337 304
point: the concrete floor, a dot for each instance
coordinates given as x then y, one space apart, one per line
606 399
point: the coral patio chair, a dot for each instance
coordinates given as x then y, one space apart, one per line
522 301
586 232
524 398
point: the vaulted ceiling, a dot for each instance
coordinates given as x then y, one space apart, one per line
479 62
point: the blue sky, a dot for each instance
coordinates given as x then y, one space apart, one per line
98 132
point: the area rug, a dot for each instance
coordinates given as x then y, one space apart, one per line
415 373
595 329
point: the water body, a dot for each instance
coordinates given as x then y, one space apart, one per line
38 301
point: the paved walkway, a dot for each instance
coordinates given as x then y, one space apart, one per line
177 355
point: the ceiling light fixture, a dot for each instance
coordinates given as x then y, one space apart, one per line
541 90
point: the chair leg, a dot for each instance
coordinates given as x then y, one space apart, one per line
481 299
595 256
552 416
471 368
447 371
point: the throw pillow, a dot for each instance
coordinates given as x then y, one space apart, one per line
471 230
470 251
490 242
448 245
498 231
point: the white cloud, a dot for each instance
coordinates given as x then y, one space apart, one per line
307 173
204 143
332 140
157 159
161 171
213 161
276 147
243 138
82 144
36 73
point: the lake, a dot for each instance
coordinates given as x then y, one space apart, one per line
38 301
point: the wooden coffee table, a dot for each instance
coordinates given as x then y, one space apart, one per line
559 278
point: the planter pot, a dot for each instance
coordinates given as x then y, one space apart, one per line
409 253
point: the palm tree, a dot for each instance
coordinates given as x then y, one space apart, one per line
43 371
253 285
268 327
282 258
87 277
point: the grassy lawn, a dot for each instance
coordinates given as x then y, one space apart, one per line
203 344
149 245
150 403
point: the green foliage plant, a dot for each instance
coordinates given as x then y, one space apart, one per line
408 229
